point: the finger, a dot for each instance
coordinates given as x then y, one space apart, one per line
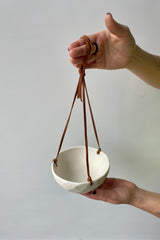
77 43
91 195
77 65
78 51
96 194
113 26
78 60
80 42
93 37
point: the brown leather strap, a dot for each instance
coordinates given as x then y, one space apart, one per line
93 122
81 90
65 129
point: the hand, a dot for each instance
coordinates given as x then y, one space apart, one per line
115 47
116 191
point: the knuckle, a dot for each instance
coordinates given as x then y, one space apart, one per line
126 28
72 60
71 53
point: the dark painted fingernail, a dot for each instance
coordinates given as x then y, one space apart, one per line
108 13
68 49
94 192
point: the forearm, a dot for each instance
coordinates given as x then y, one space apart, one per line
146 66
147 201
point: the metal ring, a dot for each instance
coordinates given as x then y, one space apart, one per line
95 44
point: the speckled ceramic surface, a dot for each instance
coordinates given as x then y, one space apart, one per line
71 172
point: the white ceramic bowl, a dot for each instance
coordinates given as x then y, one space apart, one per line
71 170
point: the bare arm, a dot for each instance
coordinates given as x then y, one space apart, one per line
146 66
119 191
147 201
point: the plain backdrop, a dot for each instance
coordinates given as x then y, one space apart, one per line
37 84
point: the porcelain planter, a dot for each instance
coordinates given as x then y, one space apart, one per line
71 171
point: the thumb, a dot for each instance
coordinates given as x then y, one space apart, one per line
114 27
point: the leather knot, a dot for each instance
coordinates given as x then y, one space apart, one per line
99 150
90 180
90 50
55 161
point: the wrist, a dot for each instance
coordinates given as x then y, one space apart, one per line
138 197
147 201
146 66
136 57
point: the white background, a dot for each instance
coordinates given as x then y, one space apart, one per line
37 83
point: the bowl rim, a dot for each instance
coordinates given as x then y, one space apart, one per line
85 182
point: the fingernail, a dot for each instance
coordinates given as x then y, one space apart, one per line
94 192
108 13
68 49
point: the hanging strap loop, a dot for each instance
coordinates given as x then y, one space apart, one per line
80 93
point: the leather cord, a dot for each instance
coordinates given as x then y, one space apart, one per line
81 93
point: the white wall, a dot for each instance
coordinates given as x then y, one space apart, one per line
37 84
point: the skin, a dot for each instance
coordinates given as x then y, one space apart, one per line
117 49
120 191
115 191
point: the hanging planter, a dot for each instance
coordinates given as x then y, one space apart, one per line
69 167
